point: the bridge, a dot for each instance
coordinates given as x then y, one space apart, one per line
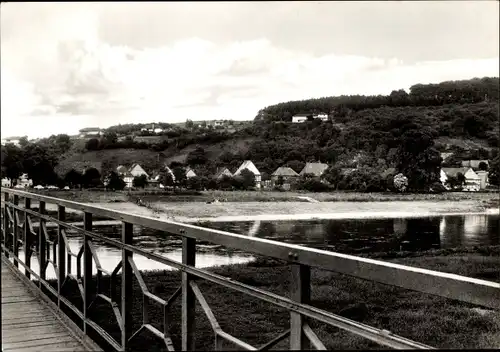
39 315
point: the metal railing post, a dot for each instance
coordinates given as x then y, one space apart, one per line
42 245
87 268
61 254
27 239
6 233
15 232
301 292
188 297
127 293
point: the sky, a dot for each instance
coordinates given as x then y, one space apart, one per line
66 66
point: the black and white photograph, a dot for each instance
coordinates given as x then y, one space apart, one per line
250 175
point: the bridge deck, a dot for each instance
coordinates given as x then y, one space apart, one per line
27 322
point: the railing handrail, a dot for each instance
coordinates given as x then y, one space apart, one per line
462 288
57 252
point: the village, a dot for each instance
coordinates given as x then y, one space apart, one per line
471 177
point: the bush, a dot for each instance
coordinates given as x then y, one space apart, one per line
313 185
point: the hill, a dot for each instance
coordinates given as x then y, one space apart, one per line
405 131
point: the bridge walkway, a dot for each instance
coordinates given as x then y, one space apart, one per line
28 324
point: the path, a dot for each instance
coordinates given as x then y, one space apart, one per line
27 322
309 199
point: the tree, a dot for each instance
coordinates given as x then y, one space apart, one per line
73 178
296 165
333 175
91 178
417 158
494 171
189 123
194 183
247 178
92 144
400 182
197 157
110 137
483 166
140 181
115 182
167 180
180 175
12 163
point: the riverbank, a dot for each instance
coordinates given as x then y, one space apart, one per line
273 211
432 320
86 196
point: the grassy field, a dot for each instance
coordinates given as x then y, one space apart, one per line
436 321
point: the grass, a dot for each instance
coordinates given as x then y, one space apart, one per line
433 320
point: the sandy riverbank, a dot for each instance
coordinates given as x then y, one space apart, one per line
251 211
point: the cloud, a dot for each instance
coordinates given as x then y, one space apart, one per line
59 75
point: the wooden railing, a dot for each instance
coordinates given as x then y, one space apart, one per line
18 230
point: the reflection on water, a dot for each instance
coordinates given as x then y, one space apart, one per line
377 235
347 236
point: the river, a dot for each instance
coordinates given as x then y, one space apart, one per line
340 235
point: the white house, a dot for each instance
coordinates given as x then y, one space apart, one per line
472 180
483 176
6 182
136 170
247 164
190 173
24 181
13 140
321 116
299 118
128 178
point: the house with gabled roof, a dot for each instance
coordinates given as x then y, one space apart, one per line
472 180
249 165
285 172
190 173
314 169
223 172
286 175
136 170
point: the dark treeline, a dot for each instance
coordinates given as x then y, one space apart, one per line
451 92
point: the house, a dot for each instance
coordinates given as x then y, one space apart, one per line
190 173
152 128
474 164
90 132
286 174
6 182
24 181
247 164
13 140
322 116
121 170
483 176
315 169
136 170
300 118
128 178
223 172
167 169
472 180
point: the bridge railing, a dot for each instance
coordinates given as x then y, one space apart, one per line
18 230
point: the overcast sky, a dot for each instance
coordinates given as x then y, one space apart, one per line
65 66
